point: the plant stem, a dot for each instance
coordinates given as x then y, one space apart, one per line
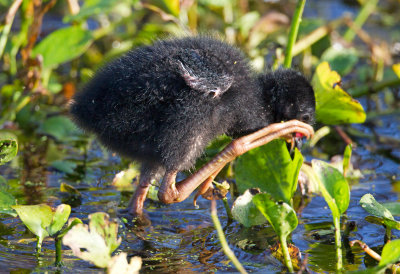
285 251
38 245
225 247
294 29
228 209
8 22
375 87
362 16
58 251
338 243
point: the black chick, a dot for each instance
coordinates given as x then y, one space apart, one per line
162 104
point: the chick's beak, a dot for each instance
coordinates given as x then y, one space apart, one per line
296 141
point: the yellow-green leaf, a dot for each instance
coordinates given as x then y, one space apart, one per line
396 69
333 104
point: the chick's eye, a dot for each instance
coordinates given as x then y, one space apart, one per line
305 118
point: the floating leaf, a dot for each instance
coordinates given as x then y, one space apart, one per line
245 212
119 264
63 45
280 215
107 229
333 187
87 245
381 213
8 150
95 242
271 169
333 104
123 179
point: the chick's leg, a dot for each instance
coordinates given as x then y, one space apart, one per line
173 192
135 206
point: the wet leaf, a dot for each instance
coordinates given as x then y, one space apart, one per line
370 205
60 217
280 215
42 220
64 187
100 223
333 104
390 253
123 179
244 210
119 264
87 245
271 169
333 187
8 150
95 242
63 45
295 254
36 218
341 60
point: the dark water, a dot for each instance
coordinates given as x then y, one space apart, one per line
182 239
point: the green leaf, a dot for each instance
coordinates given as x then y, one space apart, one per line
347 159
64 166
169 6
370 205
60 127
393 207
396 69
60 217
6 201
271 169
63 45
333 104
36 217
100 223
87 245
341 60
280 215
95 242
93 7
245 212
390 253
8 150
333 187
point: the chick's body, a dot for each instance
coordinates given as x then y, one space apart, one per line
162 104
